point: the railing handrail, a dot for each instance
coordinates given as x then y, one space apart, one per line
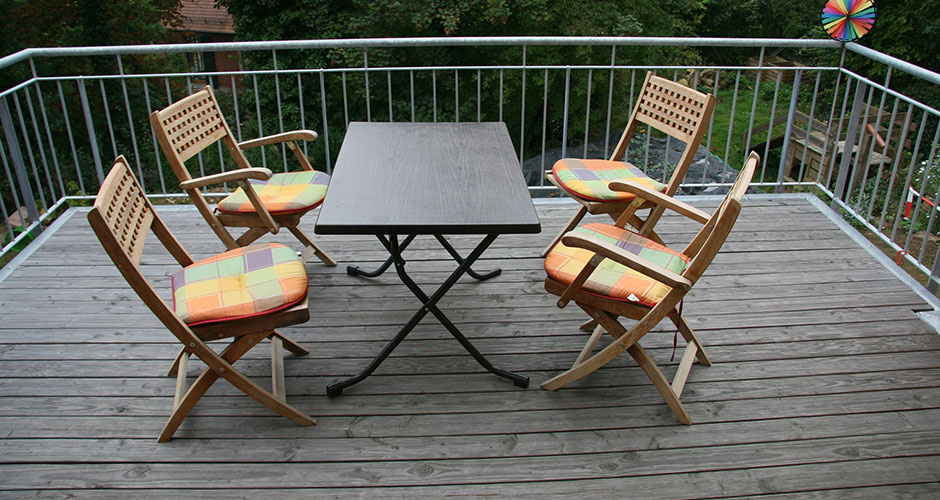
414 42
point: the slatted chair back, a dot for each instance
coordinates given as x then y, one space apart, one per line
189 126
674 109
122 217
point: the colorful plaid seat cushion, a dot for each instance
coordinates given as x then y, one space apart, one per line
249 281
588 179
282 193
612 279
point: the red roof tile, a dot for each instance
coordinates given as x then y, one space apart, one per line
202 16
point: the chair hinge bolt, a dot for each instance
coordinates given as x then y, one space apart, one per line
221 369
192 344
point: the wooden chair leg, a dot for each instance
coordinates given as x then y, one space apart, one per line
588 326
689 335
249 236
599 359
656 376
572 223
278 389
310 246
174 368
231 354
290 345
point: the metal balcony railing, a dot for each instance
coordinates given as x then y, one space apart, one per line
868 147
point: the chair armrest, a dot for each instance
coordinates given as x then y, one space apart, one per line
641 191
628 259
230 176
296 135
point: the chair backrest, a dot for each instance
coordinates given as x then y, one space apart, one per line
703 248
673 109
189 126
121 217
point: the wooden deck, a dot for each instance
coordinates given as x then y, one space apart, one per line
826 384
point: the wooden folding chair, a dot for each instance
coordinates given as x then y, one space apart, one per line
609 271
243 294
663 105
264 201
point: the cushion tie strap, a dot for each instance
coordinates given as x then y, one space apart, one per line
675 336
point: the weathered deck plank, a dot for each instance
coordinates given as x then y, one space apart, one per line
826 384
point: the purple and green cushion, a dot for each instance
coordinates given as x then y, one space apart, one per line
589 179
284 193
249 281
612 279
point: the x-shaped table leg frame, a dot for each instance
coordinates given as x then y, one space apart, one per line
429 304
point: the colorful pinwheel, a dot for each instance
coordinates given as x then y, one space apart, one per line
848 20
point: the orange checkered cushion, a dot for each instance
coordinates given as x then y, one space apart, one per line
249 281
589 179
289 192
612 279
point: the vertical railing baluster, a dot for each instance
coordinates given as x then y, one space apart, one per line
522 120
24 131
365 73
501 71
38 136
610 100
130 124
809 127
545 118
845 166
708 141
254 82
90 126
794 98
456 95
881 160
564 118
922 192
153 137
19 167
300 102
910 174
587 112
734 104
345 102
434 93
929 164
107 115
411 82
750 124
49 140
391 117
479 98
770 125
68 128
326 128
280 113
905 129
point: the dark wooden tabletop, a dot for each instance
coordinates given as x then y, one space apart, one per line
427 178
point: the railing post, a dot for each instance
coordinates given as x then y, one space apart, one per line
19 166
846 164
786 135
92 137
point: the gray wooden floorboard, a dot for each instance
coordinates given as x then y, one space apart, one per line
825 384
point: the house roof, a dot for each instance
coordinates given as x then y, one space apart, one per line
202 16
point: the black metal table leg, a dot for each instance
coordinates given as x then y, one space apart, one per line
429 304
456 256
353 270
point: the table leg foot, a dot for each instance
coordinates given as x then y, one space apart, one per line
333 390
